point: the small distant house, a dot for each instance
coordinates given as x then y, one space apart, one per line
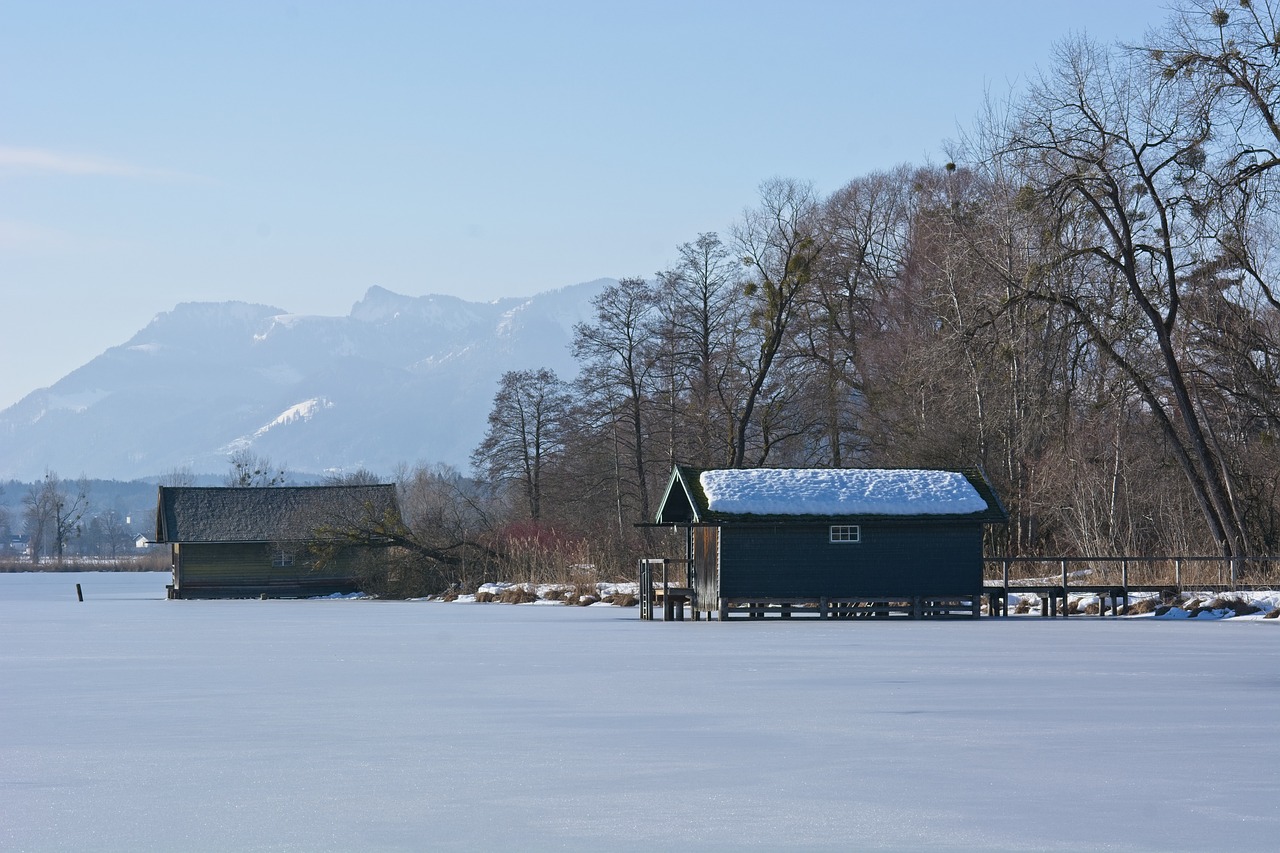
141 542
277 542
831 541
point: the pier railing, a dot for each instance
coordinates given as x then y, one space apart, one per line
1134 573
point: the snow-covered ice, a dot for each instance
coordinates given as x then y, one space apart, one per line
839 491
128 723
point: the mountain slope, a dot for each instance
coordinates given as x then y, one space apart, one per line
400 379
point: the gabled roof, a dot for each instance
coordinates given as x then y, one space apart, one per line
700 495
278 514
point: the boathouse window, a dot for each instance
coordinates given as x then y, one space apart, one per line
845 533
280 559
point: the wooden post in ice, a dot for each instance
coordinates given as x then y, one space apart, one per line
79 593
1066 599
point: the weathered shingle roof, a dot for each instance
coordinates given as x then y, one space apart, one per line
283 514
844 494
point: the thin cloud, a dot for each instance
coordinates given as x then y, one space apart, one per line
40 161
20 235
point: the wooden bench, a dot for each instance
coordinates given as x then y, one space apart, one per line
674 599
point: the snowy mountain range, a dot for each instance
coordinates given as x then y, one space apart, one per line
401 379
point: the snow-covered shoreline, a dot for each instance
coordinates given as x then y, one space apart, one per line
1207 604
1191 604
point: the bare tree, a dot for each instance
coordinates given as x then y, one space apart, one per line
1115 166
525 434
358 477
701 309
181 476
619 352
107 534
779 245
5 523
249 470
433 541
452 520
1230 58
865 229
53 514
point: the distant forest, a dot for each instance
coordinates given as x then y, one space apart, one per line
1083 301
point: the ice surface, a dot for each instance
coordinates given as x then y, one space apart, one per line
132 723
839 491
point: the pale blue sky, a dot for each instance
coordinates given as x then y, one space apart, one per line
296 153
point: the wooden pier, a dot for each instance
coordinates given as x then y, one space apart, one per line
1118 579
1115 581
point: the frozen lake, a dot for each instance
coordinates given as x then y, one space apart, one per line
128 722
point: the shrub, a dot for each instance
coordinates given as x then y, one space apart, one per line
1235 604
1142 605
520 594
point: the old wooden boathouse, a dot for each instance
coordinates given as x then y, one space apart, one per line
825 542
278 542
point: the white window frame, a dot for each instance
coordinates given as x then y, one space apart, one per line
281 559
845 534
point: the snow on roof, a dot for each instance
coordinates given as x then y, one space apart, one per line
840 491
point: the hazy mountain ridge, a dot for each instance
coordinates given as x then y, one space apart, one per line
400 379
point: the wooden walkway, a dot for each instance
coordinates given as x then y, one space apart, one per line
1115 580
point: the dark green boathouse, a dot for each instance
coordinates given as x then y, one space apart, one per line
280 542
830 542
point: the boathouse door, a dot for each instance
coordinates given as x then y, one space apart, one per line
706 568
